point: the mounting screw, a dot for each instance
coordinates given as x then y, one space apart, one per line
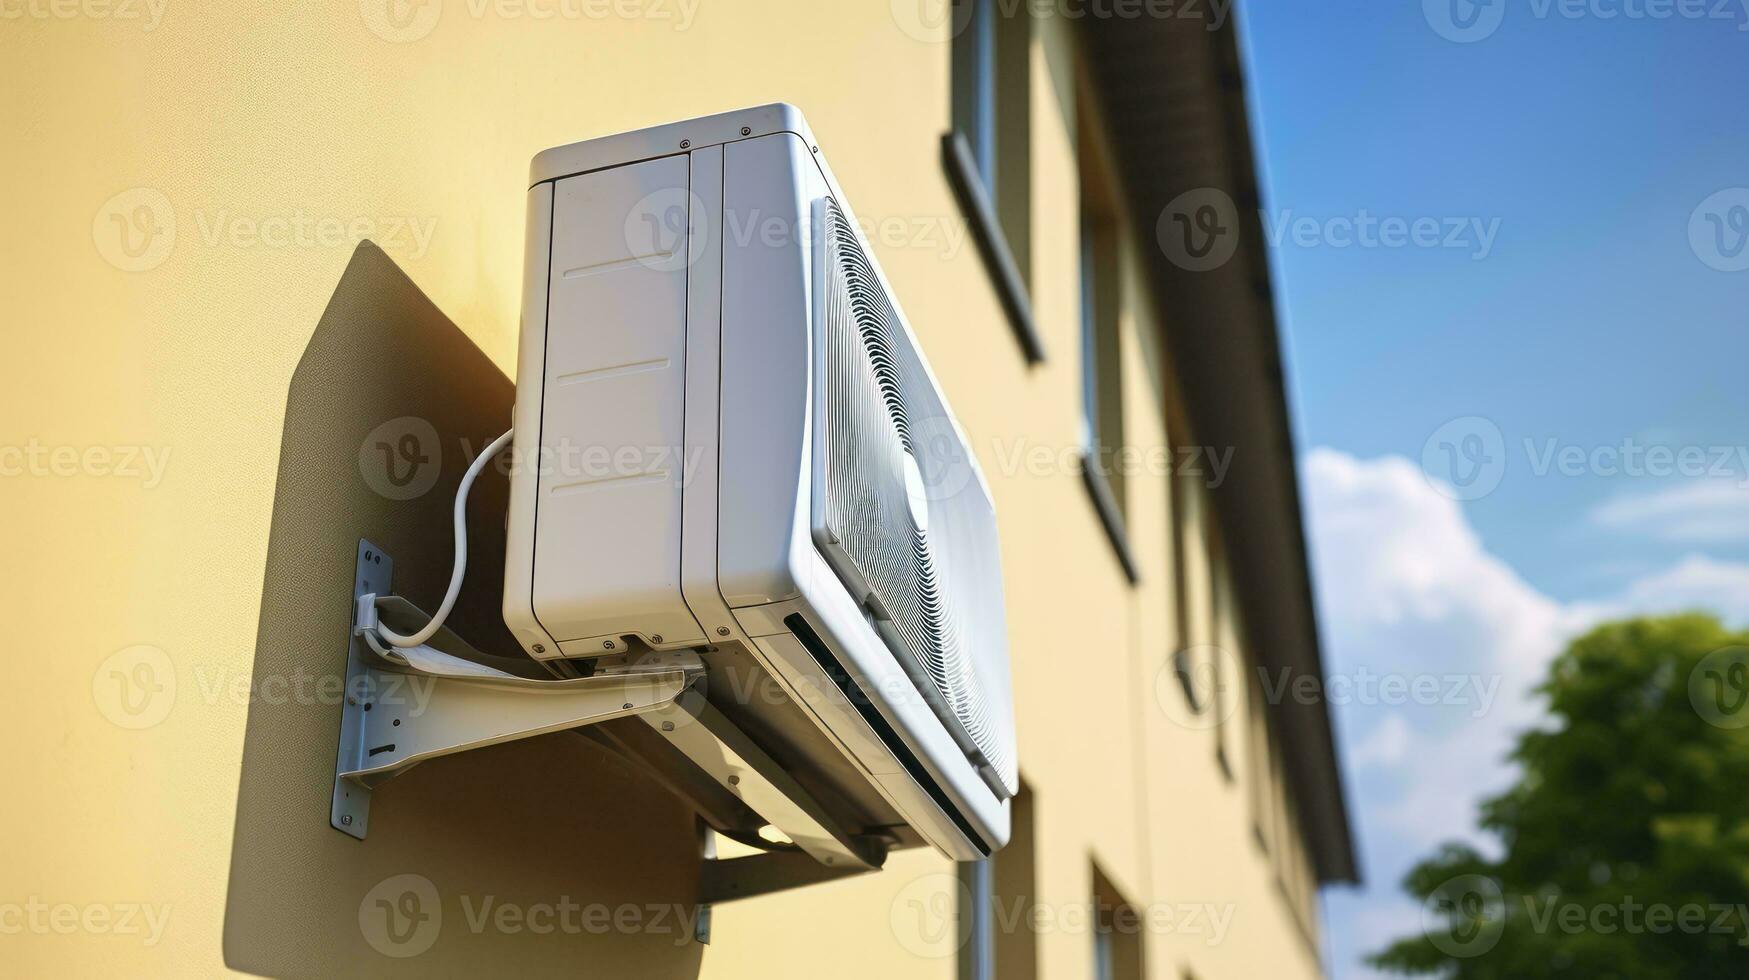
655 638
627 705
722 631
607 644
346 819
539 648
746 130
734 780
685 143
667 726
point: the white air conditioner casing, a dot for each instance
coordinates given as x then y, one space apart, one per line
727 439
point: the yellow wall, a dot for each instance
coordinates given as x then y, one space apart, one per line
272 137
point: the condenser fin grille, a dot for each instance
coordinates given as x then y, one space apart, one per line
885 524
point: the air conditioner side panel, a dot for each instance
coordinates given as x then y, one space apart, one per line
524 484
769 185
611 456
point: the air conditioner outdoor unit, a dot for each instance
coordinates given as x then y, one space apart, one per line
747 542
728 442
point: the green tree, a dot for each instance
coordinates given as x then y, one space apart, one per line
1625 843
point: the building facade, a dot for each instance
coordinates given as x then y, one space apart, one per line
252 235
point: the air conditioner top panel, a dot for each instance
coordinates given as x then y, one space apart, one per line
656 141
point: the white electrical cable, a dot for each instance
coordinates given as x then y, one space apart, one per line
461 552
370 638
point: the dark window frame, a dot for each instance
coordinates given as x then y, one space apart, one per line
1100 262
987 151
1119 947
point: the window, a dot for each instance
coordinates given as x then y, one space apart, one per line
988 152
1296 877
1101 353
974 85
1226 670
1179 530
1102 391
1259 765
1184 667
1117 933
1003 943
1104 956
1200 662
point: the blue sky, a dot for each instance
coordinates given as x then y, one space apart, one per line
1587 308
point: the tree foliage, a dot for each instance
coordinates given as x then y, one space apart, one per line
1625 843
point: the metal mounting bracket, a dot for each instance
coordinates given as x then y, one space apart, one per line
426 702
731 879
396 714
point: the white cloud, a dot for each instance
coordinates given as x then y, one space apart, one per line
1406 588
1388 745
1694 511
1695 582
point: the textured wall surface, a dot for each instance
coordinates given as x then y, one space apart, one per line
197 354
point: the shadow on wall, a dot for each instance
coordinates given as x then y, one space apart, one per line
547 856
